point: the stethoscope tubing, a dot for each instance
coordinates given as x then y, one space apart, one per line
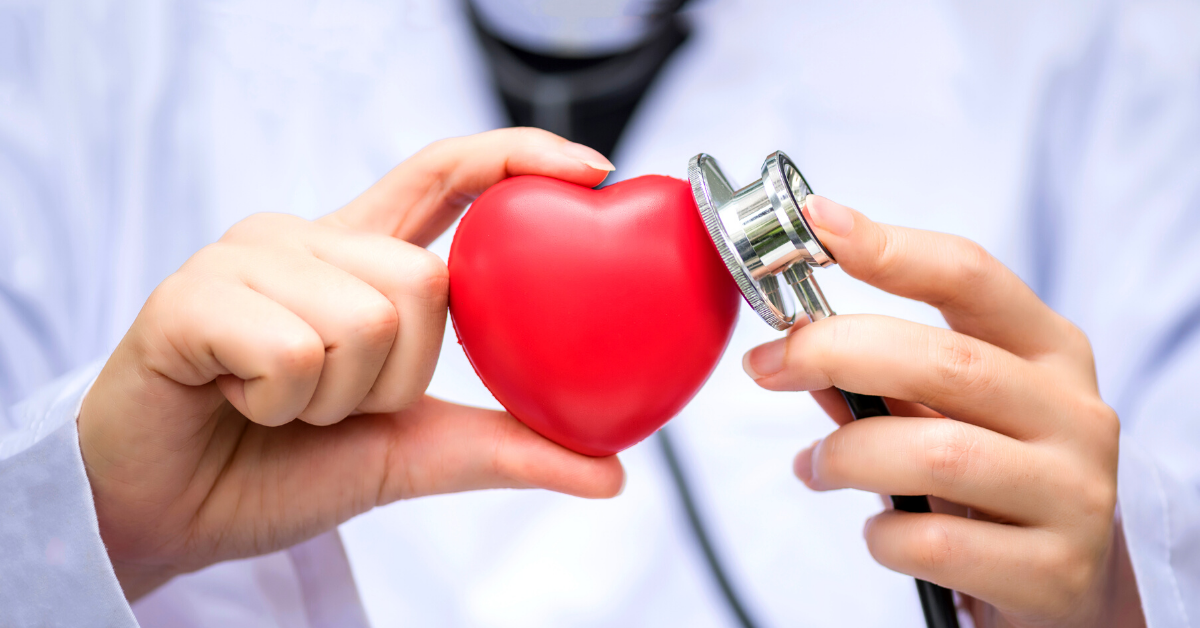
936 601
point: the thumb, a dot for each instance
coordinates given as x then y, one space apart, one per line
440 447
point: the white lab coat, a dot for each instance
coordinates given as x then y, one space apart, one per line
1064 138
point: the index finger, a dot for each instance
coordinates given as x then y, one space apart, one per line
421 197
977 295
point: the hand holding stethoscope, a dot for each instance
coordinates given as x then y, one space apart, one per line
1023 475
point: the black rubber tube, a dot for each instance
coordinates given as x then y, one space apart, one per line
700 532
937 602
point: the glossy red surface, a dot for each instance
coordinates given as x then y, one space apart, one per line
593 316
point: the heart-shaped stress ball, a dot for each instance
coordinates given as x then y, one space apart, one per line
593 316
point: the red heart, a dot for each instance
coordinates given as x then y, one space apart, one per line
593 316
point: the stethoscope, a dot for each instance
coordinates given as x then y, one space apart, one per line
762 236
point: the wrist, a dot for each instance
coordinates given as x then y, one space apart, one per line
108 498
1121 604
139 580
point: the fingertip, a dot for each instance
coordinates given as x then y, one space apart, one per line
260 401
234 389
802 464
587 156
607 482
879 521
828 216
534 461
614 486
560 159
765 360
590 178
866 529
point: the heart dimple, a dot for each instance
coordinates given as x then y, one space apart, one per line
593 316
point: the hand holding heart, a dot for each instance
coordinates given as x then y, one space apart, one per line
1025 468
274 386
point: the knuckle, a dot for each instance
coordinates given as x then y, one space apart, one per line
528 135
1101 425
1097 412
299 355
829 461
164 316
838 334
888 254
261 226
1093 487
973 263
440 147
206 257
168 293
816 354
377 320
1108 425
428 277
950 452
1110 429
1098 496
183 293
935 548
958 362
500 464
246 229
1076 339
499 460
1073 572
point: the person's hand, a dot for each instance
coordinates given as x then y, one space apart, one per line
1026 463
274 386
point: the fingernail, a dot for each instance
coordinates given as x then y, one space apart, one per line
828 215
589 156
764 360
802 465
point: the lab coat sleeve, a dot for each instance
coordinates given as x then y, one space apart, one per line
1116 228
54 569
99 200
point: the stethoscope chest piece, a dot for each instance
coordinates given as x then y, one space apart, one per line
761 234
